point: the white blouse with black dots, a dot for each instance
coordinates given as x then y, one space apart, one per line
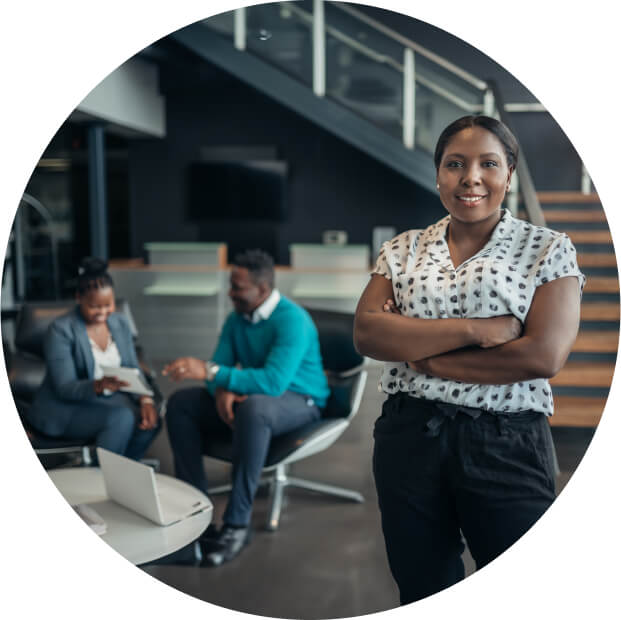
500 279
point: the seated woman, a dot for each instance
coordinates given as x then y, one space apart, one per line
471 315
76 400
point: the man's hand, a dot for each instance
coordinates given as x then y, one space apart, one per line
108 383
148 415
224 404
186 368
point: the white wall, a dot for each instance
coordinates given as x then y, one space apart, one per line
129 97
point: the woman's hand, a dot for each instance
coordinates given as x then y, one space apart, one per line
492 331
148 414
389 306
111 384
498 330
550 330
186 368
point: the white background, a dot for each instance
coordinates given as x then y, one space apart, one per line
54 53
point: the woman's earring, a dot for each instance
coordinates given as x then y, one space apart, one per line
437 186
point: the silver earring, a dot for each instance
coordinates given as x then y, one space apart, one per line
437 186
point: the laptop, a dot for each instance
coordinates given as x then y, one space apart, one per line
134 486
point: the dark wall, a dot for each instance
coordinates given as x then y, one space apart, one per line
331 185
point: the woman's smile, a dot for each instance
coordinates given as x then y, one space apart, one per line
471 200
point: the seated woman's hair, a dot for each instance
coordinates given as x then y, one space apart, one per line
260 265
92 274
499 129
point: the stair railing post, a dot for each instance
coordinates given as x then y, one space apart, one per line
409 98
585 183
319 48
489 103
240 29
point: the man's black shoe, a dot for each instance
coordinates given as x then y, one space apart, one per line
227 545
208 540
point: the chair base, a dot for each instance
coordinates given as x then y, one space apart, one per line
279 480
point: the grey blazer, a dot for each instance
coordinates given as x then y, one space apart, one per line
70 365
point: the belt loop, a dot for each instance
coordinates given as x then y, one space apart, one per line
501 424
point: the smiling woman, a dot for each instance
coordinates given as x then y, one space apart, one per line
471 315
76 400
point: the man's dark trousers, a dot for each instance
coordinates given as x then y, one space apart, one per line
191 417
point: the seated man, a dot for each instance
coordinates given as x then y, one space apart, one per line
264 379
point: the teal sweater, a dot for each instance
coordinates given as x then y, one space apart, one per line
276 354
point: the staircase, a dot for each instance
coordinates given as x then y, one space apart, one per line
581 388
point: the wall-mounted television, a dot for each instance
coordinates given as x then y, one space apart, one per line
249 189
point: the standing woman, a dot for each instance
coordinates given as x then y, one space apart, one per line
76 400
471 316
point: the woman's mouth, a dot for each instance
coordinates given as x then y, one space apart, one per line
471 200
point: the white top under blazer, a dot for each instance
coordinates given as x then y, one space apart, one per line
500 279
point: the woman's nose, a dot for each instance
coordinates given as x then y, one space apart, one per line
471 175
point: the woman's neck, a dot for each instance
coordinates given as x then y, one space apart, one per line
467 239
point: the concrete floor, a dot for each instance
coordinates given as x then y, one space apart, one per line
327 560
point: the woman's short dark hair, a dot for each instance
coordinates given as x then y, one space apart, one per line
260 265
92 274
498 128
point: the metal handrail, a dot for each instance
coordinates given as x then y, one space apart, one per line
419 49
383 59
337 34
527 187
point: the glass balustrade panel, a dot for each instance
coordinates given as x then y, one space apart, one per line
364 70
364 67
282 36
441 98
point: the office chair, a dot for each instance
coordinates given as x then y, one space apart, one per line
347 376
27 369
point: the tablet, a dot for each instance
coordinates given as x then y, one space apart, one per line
131 376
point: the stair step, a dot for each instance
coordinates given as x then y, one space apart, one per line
574 215
599 312
591 259
585 374
601 284
589 236
577 411
575 197
597 342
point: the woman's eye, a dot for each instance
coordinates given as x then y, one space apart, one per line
489 164
454 164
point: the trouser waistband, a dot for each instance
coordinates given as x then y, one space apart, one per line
448 412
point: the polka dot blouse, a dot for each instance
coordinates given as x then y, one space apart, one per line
500 279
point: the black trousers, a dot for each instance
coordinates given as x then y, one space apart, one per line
439 477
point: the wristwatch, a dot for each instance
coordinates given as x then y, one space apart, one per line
211 369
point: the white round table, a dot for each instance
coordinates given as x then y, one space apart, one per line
137 539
